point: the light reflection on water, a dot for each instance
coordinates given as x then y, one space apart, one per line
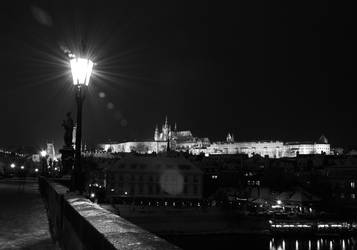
260 242
315 244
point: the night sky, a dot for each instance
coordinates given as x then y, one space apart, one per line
260 70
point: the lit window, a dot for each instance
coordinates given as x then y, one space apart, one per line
353 196
353 184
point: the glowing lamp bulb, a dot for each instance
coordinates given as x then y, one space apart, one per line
22 167
12 165
36 169
278 202
81 70
43 153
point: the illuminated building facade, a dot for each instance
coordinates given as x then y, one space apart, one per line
179 140
272 149
142 147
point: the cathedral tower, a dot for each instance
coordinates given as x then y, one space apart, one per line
165 130
156 135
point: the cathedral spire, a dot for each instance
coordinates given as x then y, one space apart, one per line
166 123
175 128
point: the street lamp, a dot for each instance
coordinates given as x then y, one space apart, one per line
81 71
43 153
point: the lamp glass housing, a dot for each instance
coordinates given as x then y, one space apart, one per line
81 70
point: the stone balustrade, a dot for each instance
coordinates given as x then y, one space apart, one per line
77 223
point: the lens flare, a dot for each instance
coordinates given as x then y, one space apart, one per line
172 181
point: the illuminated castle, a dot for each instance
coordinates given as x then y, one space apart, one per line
168 139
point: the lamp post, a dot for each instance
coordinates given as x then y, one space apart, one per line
43 153
44 170
81 71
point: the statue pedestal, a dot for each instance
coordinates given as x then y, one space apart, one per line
67 159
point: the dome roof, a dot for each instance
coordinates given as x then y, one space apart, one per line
322 140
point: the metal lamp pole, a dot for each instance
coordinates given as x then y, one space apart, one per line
81 71
80 95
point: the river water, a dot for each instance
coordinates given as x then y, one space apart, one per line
253 242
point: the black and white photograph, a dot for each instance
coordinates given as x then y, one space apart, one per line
167 125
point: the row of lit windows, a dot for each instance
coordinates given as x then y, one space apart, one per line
253 183
166 203
150 189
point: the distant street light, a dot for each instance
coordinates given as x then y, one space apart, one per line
43 153
12 165
81 71
22 167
